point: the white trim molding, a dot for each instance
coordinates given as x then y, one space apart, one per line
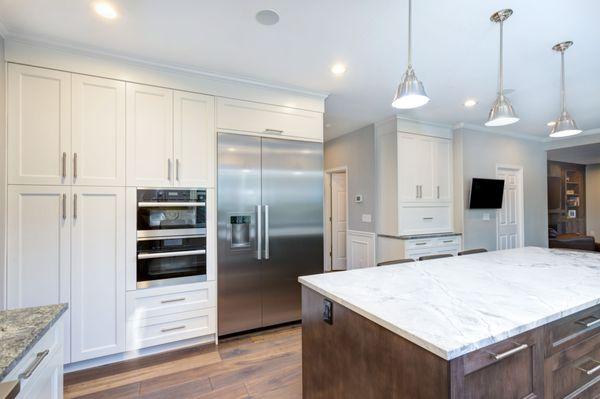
360 249
487 130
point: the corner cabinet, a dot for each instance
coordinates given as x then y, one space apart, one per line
170 138
414 183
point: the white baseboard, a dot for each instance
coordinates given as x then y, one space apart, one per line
360 249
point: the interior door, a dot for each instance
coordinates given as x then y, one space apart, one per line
98 131
149 136
292 197
97 270
239 200
194 139
510 218
338 221
39 126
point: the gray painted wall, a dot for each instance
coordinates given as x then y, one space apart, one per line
592 200
480 154
356 151
3 174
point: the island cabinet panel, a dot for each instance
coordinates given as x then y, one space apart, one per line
356 358
509 369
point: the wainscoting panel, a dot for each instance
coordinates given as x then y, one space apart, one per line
361 249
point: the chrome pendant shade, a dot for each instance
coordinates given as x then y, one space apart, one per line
565 125
411 92
502 112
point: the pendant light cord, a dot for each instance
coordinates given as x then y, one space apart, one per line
409 34
501 69
562 81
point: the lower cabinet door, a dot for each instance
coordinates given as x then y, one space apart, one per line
97 272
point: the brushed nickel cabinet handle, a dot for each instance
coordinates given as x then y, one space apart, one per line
173 300
74 206
591 371
589 321
172 329
504 355
169 169
34 365
75 165
64 165
417 194
177 169
274 131
428 218
438 192
447 241
420 243
64 206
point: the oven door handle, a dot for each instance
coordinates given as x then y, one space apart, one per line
169 204
174 254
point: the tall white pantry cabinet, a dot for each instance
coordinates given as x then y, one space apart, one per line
74 143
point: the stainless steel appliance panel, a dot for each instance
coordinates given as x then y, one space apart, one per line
292 197
239 200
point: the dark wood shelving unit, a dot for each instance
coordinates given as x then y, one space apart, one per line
566 197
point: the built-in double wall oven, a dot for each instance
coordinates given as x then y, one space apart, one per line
171 236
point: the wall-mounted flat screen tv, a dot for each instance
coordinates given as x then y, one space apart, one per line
486 194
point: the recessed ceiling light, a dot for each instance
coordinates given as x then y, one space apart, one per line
267 17
551 123
105 10
470 103
338 69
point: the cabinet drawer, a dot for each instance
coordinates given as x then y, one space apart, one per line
415 219
508 369
571 330
142 333
575 372
419 244
142 304
447 241
246 116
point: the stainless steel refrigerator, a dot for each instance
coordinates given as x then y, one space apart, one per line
270 228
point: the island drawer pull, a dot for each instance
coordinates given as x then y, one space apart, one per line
173 300
172 328
274 131
504 355
591 371
34 365
428 218
447 241
589 321
420 243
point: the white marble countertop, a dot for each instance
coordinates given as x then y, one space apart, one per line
453 306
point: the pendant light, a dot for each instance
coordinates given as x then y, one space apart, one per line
564 125
410 93
502 112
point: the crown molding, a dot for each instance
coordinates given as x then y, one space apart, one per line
85 51
483 129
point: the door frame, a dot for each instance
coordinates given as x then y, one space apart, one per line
520 200
327 206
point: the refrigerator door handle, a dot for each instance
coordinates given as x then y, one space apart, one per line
266 231
259 232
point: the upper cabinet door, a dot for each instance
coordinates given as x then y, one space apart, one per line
98 139
38 246
149 136
194 140
265 119
97 272
409 162
39 126
443 170
425 169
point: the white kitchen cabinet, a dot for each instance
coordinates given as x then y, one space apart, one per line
442 157
98 132
149 136
39 248
39 126
97 272
194 140
265 119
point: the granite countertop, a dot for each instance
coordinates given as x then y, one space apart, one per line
453 306
21 329
421 236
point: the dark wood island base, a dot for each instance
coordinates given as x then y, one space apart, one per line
354 357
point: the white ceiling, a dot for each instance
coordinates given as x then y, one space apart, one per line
455 52
583 154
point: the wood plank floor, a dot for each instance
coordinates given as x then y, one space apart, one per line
261 365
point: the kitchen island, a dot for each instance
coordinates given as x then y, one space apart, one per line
504 324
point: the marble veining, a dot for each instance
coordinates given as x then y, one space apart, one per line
21 329
453 306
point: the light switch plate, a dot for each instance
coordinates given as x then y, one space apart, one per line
486 216
358 198
366 218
